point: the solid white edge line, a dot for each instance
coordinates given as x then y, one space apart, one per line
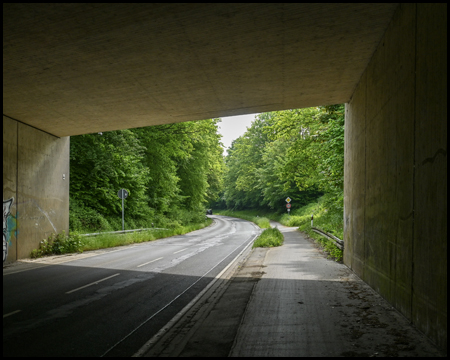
141 352
176 297
11 313
27 269
150 262
44 264
92 283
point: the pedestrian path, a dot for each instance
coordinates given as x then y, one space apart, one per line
292 301
308 305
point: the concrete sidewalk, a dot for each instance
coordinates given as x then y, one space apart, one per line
293 301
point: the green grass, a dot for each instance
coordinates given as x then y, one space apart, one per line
251 215
61 244
112 240
269 238
324 219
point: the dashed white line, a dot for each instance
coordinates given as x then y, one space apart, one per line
11 313
176 297
92 283
150 262
176 252
175 319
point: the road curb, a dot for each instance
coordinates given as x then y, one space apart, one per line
208 296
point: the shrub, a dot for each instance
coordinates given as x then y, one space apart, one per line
269 238
82 218
58 244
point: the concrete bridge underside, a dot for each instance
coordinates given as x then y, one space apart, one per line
72 69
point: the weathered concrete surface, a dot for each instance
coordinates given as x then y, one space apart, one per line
210 326
430 181
75 68
396 169
292 301
9 189
33 167
80 68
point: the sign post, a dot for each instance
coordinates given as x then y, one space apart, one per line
123 194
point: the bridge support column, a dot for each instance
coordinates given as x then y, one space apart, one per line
396 169
35 187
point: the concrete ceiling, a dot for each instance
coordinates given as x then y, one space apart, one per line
71 69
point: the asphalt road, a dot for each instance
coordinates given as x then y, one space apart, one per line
111 303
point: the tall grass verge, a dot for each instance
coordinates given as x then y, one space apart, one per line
328 216
328 246
62 244
113 240
251 215
269 238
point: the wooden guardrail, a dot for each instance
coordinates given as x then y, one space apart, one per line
338 242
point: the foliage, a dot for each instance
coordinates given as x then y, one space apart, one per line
82 218
171 172
112 240
57 244
333 251
297 153
262 222
61 244
174 172
269 238
328 246
100 165
302 218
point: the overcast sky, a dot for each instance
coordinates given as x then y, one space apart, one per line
234 126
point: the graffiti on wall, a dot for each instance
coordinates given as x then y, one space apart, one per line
9 226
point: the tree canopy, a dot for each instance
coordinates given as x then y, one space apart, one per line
170 171
174 172
297 153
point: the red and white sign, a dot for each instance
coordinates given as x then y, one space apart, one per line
288 206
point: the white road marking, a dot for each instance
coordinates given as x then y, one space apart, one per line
176 252
60 259
141 352
11 313
93 283
184 291
150 262
26 269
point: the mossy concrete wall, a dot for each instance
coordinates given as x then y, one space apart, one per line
395 220
35 188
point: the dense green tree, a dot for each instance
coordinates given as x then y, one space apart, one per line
331 167
296 153
171 172
101 165
244 161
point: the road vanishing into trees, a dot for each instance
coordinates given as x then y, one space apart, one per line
110 303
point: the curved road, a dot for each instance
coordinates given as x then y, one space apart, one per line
110 304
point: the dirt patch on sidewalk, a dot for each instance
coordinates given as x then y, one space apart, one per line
372 327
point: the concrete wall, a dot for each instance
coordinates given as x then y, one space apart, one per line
35 195
395 220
